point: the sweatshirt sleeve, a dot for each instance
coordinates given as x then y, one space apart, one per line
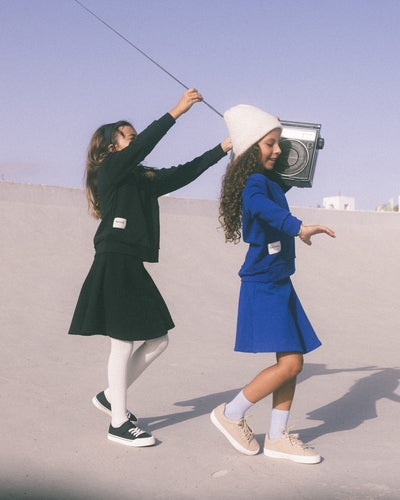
170 179
257 201
121 164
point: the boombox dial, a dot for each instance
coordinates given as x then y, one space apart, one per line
299 143
293 157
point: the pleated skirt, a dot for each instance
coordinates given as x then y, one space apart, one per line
272 319
120 300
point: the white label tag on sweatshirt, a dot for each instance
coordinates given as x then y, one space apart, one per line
274 247
119 223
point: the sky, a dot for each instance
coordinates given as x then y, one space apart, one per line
332 62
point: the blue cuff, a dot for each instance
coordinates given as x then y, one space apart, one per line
291 225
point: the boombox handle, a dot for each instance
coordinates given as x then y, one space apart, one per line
320 141
301 124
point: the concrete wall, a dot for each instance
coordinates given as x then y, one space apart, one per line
46 251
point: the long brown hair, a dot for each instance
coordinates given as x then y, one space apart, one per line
233 183
96 153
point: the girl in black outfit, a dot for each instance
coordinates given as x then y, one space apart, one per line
118 298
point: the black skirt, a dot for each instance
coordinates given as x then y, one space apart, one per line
120 300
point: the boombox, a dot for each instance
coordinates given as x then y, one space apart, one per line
299 143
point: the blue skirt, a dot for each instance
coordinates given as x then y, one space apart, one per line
272 319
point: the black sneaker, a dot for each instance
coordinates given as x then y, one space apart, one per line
130 435
101 403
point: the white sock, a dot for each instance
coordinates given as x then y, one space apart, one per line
279 419
121 352
237 408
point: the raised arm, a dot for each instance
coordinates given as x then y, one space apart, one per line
166 180
120 164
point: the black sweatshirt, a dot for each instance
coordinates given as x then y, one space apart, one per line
128 193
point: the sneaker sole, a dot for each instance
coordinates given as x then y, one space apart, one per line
294 458
137 443
105 410
233 442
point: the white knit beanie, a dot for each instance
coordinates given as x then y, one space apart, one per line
247 125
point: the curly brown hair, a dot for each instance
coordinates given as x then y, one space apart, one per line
233 183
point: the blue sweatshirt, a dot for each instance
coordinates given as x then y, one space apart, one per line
269 228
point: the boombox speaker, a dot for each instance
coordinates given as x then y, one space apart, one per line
299 143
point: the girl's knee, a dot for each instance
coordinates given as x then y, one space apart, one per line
164 341
291 363
159 344
298 365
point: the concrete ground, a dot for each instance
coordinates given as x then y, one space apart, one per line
53 443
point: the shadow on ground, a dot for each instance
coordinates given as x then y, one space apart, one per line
200 406
356 406
347 412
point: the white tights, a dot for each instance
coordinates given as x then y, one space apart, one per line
124 367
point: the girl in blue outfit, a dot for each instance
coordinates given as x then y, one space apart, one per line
118 298
270 315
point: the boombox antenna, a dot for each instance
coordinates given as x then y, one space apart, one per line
141 51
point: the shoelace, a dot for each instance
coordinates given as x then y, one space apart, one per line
247 430
135 431
294 439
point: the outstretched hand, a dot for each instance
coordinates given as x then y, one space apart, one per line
308 231
186 102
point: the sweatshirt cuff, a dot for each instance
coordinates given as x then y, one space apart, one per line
219 152
167 119
292 225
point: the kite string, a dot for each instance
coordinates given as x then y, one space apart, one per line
141 51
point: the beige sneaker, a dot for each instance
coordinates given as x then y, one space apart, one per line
237 432
289 446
